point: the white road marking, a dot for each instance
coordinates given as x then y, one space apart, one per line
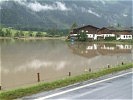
70 90
83 94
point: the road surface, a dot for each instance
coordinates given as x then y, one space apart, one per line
118 86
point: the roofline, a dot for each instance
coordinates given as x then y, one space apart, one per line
86 26
115 29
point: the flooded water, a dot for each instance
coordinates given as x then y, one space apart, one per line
21 60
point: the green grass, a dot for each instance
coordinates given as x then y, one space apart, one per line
127 41
18 93
13 31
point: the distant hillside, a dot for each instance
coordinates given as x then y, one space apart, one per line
62 13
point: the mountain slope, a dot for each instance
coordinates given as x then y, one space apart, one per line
61 14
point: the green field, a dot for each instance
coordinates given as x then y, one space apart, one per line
25 33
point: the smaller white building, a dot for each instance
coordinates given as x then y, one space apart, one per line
120 33
125 37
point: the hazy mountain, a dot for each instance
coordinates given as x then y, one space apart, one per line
62 13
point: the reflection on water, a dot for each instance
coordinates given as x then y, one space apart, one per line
90 50
54 59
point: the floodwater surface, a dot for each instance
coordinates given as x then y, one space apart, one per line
21 60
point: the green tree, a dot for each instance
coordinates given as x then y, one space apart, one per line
21 34
82 36
8 33
17 34
2 33
53 31
74 25
39 34
30 33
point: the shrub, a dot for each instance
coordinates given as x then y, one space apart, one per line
110 38
82 36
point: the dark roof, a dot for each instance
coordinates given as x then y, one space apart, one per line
86 26
119 28
103 28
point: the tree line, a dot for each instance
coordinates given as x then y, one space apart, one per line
8 32
19 33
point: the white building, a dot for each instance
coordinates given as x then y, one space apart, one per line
94 33
120 33
125 37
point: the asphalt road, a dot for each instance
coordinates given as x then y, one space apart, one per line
118 86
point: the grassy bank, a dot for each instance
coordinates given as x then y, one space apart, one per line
18 93
36 38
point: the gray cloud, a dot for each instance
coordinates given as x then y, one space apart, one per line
36 6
